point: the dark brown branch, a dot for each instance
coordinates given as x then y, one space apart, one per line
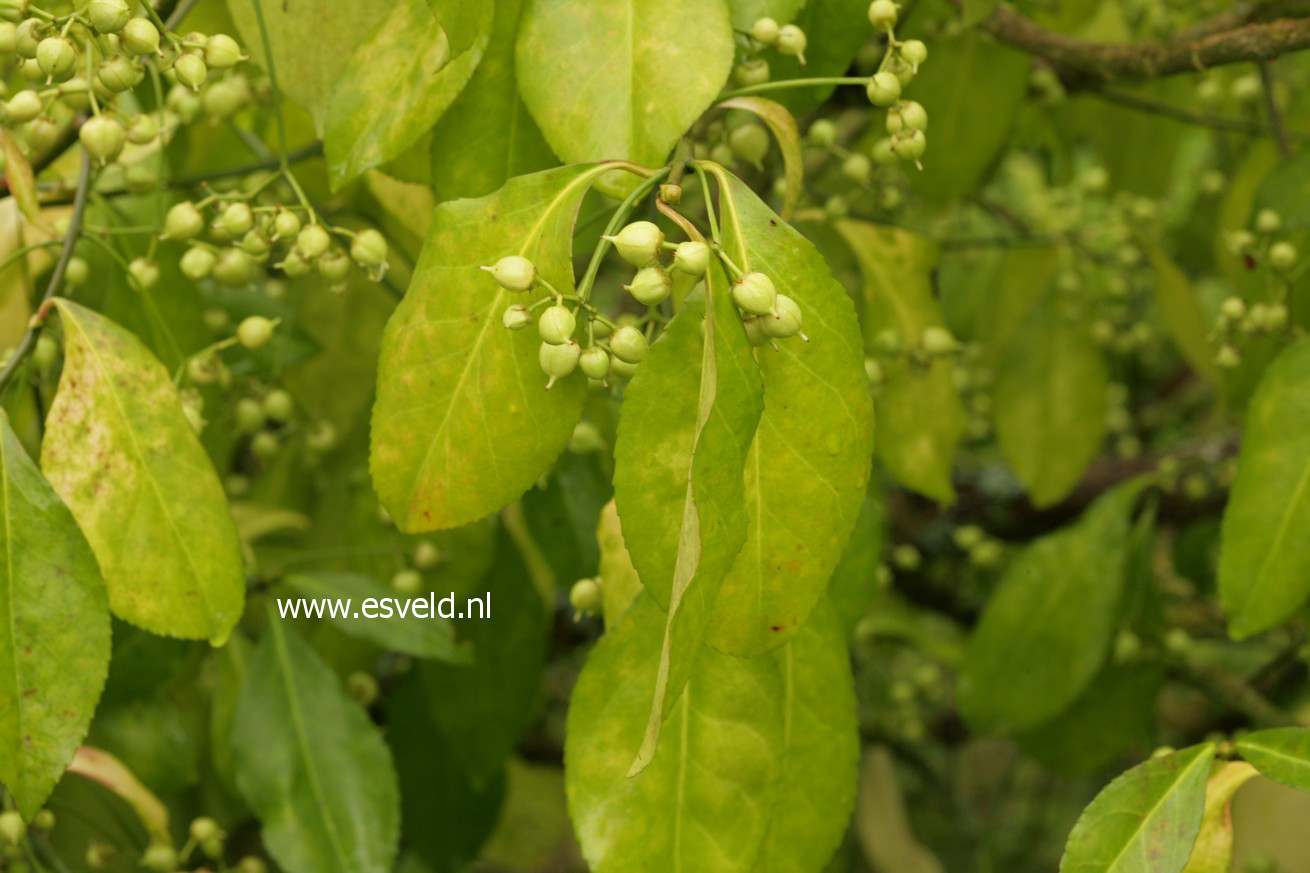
1200 119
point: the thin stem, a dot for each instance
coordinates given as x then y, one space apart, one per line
709 203
1271 109
272 80
794 83
57 275
620 215
1168 110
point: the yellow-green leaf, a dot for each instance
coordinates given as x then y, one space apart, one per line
1182 314
783 126
121 453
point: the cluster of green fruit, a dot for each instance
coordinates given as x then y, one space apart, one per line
615 348
907 121
88 58
786 39
244 231
1238 321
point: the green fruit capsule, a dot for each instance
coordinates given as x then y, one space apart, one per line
295 265
197 263
248 415
13 10
556 325
144 272
595 362
765 30
41 133
907 114
755 294
909 144
513 273
233 268
109 16
119 74
754 332
516 317
103 138
334 266
750 142
224 99
264 445
76 272
23 106
183 221
751 72
882 14
237 219
883 89
191 71
313 241
914 52
255 244
937 342
584 597
279 405
638 243
369 248
823 133
650 286
286 225
558 360
222 52
254 331
629 344
857 168
140 37
27 37
692 257
784 321
159 857
56 57
1283 255
792 41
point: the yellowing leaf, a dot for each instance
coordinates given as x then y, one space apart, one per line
120 452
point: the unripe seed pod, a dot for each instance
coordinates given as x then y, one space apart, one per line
1282 255
907 114
755 293
41 133
765 30
264 445
823 132
144 272
183 221
363 688
750 142
103 138
903 72
513 273
692 257
27 37
313 241
109 16
1233 309
650 286
334 266
286 225
857 168
638 243
556 325
191 71
629 344
1228 358
204 828
255 244
44 821
1268 221
369 248
516 317
884 89
140 37
233 268
792 41
12 829
751 72
914 52
595 362
76 272
222 52
754 332
237 219
584 597
937 342
279 406
57 57
620 369
254 331
24 106
248 415
197 263
558 360
119 74
45 353
909 144
159 858
295 265
223 99
882 14
184 102
784 321
13 10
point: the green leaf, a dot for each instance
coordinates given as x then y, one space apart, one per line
961 68
1282 754
463 424
1213 851
487 135
835 30
978 11
919 412
311 765
808 468
1145 821
1182 314
622 79
783 125
1050 402
854 581
395 86
757 772
1264 564
310 40
620 583
698 398
54 630
427 637
120 452
1045 632
20 180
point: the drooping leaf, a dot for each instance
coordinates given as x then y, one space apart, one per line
698 397
54 630
1282 754
619 584
622 79
429 636
1182 314
988 67
783 126
463 423
1146 820
104 769
1050 402
120 452
1264 565
808 468
487 136
310 764
397 83
920 419
310 42
19 179
1046 630
1213 851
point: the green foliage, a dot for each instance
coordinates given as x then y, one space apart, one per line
1280 753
